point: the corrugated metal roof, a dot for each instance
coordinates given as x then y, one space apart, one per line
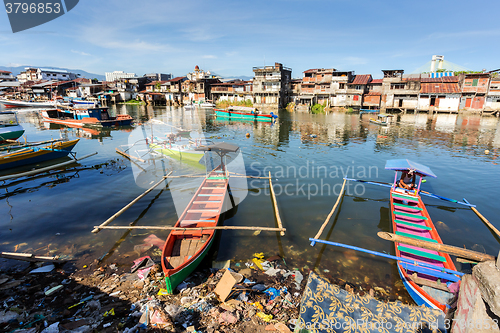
439 88
362 79
377 81
440 79
374 93
7 72
311 70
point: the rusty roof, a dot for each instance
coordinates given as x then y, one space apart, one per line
440 79
439 88
311 70
376 81
7 72
362 79
374 93
177 79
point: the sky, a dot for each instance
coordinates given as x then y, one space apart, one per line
231 37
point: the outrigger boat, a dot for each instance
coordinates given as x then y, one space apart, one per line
433 288
86 117
32 155
9 127
382 119
246 113
184 150
184 250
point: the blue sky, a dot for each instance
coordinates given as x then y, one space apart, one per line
231 37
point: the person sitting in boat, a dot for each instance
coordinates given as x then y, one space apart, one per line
407 180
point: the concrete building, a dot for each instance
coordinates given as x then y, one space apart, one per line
198 86
474 90
439 94
493 96
118 75
232 91
38 74
357 89
173 90
158 76
271 86
6 76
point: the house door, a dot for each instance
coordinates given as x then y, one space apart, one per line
468 102
400 103
433 101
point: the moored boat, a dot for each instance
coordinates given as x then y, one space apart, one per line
433 288
185 249
243 112
183 150
32 155
85 117
12 103
382 119
9 127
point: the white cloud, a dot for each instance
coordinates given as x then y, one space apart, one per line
209 56
80 53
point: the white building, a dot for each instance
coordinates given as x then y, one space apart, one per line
6 76
117 75
37 74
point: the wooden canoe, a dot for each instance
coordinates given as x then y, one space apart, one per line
184 250
430 287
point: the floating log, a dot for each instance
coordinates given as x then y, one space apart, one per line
275 205
186 229
453 250
97 229
28 257
130 157
331 213
34 172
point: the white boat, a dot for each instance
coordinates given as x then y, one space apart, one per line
207 105
11 103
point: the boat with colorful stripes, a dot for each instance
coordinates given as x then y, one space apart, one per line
33 155
432 287
246 113
185 249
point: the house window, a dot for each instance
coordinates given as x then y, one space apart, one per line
341 85
397 85
358 87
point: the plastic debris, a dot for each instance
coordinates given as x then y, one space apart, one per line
264 317
44 269
53 290
163 292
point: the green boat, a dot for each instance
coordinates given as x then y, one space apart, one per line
246 113
182 153
185 249
9 127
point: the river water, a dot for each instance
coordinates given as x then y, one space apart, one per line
308 156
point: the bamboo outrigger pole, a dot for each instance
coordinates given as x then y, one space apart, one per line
453 250
484 219
275 205
97 229
194 228
130 157
331 213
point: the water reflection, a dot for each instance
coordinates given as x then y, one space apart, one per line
452 145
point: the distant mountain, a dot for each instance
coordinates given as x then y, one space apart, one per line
19 69
242 77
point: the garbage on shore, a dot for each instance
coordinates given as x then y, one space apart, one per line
254 298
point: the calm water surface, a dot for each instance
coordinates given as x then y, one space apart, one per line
307 154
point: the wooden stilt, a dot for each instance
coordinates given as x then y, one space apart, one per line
331 213
453 250
97 229
275 205
186 229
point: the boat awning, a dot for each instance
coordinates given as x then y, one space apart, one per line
221 147
406 165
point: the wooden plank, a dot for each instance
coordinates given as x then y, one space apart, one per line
438 247
29 257
406 206
413 224
406 197
413 216
195 228
185 247
208 201
422 253
400 233
202 210
429 283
